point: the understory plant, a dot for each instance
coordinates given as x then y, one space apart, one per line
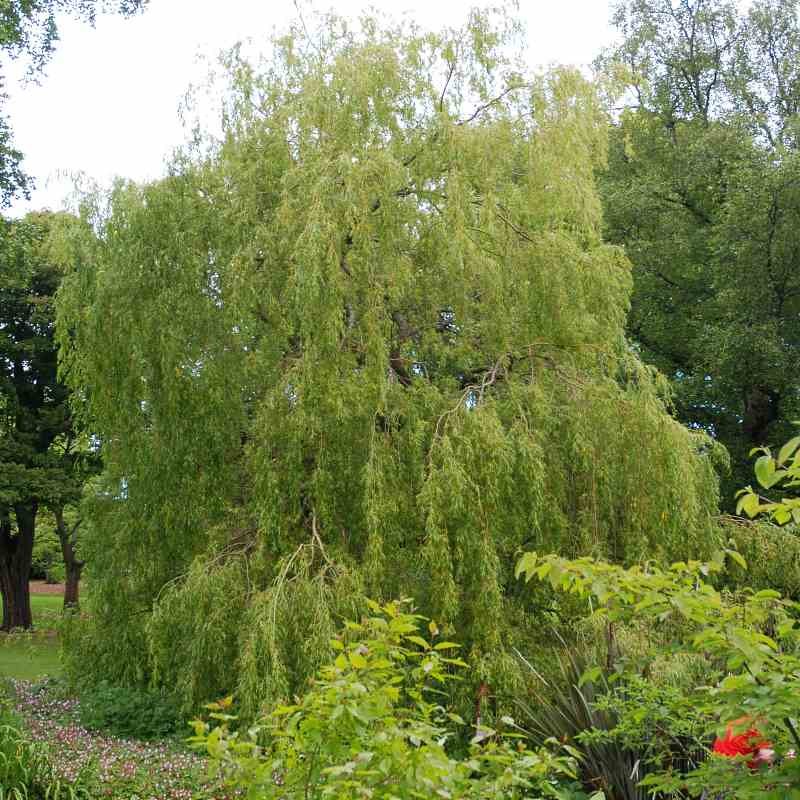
372 725
754 636
566 705
128 712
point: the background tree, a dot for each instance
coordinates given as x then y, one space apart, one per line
38 443
41 463
29 30
702 189
348 350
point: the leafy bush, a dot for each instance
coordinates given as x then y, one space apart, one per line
128 712
568 708
776 473
371 726
56 573
756 638
661 724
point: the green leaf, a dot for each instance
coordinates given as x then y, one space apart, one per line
781 515
767 594
737 557
590 676
526 565
357 660
787 450
749 504
765 471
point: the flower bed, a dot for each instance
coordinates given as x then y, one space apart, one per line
108 766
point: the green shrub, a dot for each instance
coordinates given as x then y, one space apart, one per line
128 712
372 726
755 636
56 573
663 725
566 708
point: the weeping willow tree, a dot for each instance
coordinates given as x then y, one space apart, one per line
368 342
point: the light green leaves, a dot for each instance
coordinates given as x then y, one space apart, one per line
370 726
737 557
353 343
766 472
776 473
788 450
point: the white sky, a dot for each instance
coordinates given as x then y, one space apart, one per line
108 103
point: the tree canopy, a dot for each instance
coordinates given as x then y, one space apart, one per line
346 349
41 462
702 190
29 28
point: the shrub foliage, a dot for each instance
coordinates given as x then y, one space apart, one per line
372 726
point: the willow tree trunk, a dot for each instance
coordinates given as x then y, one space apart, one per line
16 552
73 566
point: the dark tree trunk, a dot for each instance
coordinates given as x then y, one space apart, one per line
72 565
761 409
16 552
71 587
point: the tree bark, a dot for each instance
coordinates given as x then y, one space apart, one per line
72 565
16 552
761 409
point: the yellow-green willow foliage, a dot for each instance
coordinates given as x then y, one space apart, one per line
370 342
772 554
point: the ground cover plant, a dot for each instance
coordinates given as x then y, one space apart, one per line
97 764
126 712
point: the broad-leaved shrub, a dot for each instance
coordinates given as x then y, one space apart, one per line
372 725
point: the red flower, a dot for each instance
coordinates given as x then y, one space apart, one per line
747 743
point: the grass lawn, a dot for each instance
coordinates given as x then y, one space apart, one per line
46 608
29 656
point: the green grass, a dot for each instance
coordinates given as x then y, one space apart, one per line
46 608
29 656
